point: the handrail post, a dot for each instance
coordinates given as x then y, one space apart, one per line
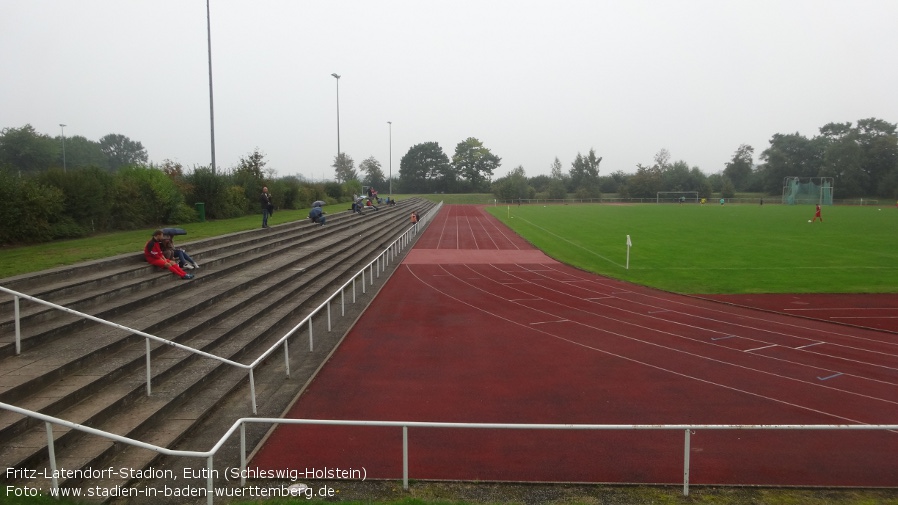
210 495
342 302
328 315
287 356
242 454
149 369
405 458
252 389
310 335
51 449
686 464
18 325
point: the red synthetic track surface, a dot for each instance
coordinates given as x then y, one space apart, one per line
476 326
878 310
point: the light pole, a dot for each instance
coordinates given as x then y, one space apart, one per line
337 77
211 106
391 157
62 127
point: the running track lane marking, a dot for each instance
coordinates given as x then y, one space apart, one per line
810 345
761 348
547 322
779 333
830 377
634 360
723 338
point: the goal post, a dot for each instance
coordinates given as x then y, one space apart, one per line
808 190
676 197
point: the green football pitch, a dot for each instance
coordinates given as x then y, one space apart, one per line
692 248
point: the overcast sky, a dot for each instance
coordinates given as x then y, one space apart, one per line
533 80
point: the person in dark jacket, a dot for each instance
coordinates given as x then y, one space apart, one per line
317 215
267 207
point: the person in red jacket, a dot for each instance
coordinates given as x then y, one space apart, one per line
153 253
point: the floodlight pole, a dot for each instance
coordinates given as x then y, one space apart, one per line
391 157
337 77
62 127
211 105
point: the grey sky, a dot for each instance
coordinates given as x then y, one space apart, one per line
531 79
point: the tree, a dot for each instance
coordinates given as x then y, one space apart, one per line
87 192
843 158
792 155
615 182
121 151
662 159
249 175
585 175
557 189
344 168
645 183
475 163
514 186
252 167
26 151
879 144
81 152
28 208
739 169
677 178
421 166
374 174
556 172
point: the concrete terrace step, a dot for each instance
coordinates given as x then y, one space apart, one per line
243 302
241 273
126 274
220 293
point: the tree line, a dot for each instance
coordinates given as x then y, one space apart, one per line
53 188
861 158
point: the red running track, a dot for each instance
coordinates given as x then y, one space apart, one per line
878 311
477 326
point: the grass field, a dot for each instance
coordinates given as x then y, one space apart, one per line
720 249
684 248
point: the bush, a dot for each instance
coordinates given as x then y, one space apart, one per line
27 209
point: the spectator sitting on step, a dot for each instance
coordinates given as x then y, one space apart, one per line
154 256
171 252
317 215
357 204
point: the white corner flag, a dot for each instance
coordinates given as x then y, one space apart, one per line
629 245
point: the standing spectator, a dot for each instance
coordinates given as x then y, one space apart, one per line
154 256
267 207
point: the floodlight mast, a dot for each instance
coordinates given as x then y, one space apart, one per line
337 77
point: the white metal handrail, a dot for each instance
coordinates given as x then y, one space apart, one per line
240 424
382 260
